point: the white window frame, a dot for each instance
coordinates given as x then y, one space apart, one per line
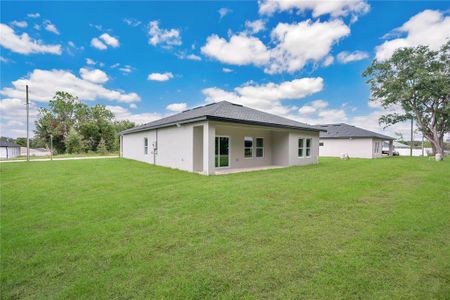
308 148
145 146
251 148
302 147
256 147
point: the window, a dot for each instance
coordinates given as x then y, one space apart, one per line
301 147
259 147
248 147
145 146
308 147
321 144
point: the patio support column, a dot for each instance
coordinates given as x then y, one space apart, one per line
209 135
391 147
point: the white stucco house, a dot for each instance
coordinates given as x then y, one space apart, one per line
343 139
222 137
9 150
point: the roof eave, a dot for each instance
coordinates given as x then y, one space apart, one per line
128 131
357 137
231 120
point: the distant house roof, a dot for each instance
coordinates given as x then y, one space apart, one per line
8 144
345 131
224 111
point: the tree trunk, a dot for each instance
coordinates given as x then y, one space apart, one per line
437 144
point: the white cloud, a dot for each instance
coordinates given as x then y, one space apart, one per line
93 75
255 26
50 27
4 59
45 83
160 76
33 15
132 22
167 38
315 38
103 40
267 97
121 113
37 26
21 24
430 27
90 61
110 40
227 70
328 61
239 50
127 69
339 8
346 57
183 55
13 117
176 107
223 12
96 43
23 44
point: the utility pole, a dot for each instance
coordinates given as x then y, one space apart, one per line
28 117
412 137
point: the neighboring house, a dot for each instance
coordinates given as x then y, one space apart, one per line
220 138
343 139
35 151
9 150
404 150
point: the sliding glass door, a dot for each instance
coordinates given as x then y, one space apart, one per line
222 151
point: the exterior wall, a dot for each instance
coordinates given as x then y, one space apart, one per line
294 136
11 152
174 146
362 148
236 133
198 149
280 145
280 148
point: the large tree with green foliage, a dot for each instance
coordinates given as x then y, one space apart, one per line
417 80
61 115
76 127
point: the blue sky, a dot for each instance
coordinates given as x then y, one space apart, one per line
145 60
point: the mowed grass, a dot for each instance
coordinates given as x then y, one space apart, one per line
123 229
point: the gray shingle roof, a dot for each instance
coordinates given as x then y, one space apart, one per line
224 111
342 131
8 144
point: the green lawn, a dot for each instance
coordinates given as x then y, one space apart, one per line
123 229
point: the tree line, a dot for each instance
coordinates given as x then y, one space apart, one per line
77 127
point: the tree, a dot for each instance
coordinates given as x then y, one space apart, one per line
101 148
120 126
62 114
417 80
73 142
97 124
